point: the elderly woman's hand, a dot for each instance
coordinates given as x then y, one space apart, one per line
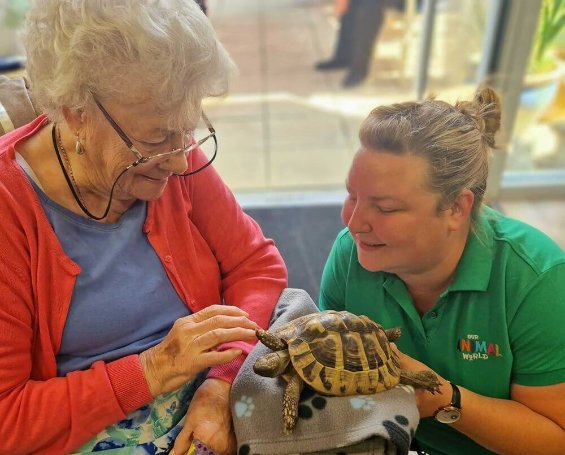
209 420
190 346
427 402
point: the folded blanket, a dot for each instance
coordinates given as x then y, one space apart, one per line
383 423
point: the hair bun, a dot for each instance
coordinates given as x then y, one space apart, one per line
485 112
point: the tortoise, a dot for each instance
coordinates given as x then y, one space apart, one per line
336 353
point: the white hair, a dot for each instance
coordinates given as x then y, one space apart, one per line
127 50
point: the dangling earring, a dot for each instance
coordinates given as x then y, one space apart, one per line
78 147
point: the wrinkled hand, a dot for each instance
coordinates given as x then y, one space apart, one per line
209 420
427 402
190 346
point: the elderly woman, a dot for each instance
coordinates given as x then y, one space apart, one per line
479 296
131 281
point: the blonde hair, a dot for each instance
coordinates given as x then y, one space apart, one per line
163 50
456 141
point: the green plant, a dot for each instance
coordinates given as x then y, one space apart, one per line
14 13
550 30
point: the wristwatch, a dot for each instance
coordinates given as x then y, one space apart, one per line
452 412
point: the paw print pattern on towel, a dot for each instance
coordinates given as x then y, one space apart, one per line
362 402
244 407
310 398
399 432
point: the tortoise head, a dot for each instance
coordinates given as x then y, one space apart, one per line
272 364
271 340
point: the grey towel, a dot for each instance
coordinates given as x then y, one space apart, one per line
383 423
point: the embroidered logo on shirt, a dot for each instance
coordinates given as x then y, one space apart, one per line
473 348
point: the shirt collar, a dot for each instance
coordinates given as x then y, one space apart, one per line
474 268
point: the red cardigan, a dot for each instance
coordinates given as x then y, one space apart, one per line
211 251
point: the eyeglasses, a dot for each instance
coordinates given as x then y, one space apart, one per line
187 138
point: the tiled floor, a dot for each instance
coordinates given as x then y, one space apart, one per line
288 130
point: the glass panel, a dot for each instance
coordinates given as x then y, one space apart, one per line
11 50
456 49
539 132
287 126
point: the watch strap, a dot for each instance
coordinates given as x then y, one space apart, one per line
456 396
452 412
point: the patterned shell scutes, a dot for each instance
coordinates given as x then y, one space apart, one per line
339 353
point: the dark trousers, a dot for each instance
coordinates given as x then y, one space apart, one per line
203 6
359 27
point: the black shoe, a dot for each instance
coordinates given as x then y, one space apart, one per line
352 80
332 64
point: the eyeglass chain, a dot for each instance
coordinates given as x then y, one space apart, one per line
68 167
71 182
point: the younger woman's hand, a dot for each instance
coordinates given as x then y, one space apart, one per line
427 402
191 344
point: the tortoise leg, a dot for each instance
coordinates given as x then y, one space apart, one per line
290 402
271 341
422 379
393 334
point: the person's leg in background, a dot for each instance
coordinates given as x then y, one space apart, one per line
203 6
367 21
345 41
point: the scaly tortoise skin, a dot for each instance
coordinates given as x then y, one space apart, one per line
336 354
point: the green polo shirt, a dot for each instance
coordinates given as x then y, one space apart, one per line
501 321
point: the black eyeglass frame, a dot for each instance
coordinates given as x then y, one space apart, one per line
140 159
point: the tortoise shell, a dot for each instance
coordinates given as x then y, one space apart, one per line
339 353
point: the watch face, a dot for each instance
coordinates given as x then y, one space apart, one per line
449 414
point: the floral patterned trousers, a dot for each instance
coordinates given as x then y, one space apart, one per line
150 430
